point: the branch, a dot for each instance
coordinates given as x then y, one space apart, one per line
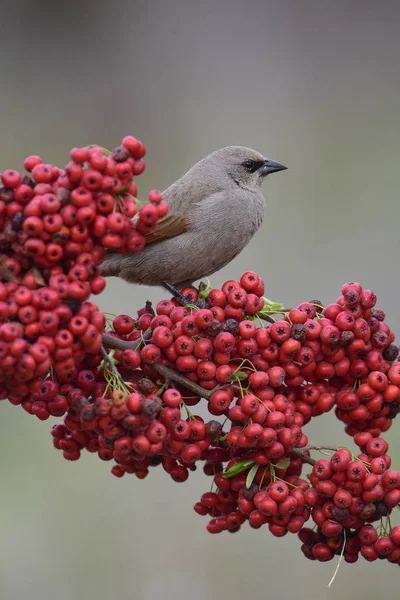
110 362
320 448
265 317
303 456
171 375
110 341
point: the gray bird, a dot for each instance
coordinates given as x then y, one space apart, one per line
214 211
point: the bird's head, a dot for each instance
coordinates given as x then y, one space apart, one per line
246 167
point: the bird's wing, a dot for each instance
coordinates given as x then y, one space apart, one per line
169 226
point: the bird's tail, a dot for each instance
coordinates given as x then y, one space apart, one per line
110 266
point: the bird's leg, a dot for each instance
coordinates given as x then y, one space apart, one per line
180 297
176 293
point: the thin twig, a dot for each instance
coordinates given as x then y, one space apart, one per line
170 374
303 456
265 317
110 341
113 368
319 448
340 559
109 361
301 453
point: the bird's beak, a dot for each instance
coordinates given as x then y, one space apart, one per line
270 166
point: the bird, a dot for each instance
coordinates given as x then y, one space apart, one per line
214 211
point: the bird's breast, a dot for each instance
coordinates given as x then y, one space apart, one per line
225 208
224 223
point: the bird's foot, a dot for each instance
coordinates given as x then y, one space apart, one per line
181 298
199 304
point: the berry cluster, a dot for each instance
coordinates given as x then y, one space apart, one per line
347 495
55 227
133 406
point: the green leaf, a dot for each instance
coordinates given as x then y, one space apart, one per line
240 375
273 305
251 474
204 289
237 468
283 464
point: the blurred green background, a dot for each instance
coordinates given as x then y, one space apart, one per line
312 83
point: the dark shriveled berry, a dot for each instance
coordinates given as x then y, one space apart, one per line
79 403
390 353
339 514
317 305
151 406
213 429
146 386
213 329
17 220
346 338
394 410
231 326
250 492
298 332
88 412
120 154
381 509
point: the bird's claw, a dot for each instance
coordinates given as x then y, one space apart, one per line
182 299
199 304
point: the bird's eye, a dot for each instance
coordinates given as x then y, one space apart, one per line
250 166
